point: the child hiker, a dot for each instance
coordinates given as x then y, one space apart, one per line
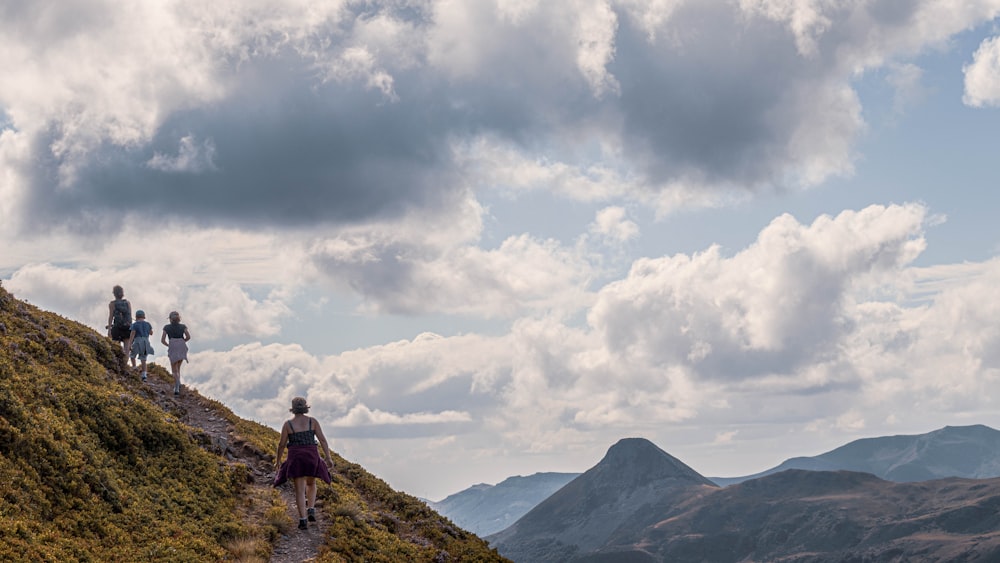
138 341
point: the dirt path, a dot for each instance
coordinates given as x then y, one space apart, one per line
192 409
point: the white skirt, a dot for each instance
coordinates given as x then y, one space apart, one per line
177 350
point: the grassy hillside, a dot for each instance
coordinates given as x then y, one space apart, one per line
97 466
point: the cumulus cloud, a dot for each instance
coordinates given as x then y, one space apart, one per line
825 325
982 75
777 313
612 222
223 158
770 309
224 282
407 267
333 113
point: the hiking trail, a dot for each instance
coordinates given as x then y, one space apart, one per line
192 409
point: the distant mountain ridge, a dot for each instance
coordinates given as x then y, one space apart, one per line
953 451
820 516
485 509
639 504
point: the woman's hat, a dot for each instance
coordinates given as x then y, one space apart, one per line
299 405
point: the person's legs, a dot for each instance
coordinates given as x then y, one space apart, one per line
300 499
142 360
311 498
175 368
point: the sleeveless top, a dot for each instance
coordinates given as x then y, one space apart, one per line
304 438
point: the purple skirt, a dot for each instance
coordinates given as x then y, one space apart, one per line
303 461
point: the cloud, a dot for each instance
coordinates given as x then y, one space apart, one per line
362 422
772 308
240 113
611 222
259 381
223 282
407 267
725 437
192 156
823 325
982 75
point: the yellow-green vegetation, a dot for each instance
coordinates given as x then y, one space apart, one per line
94 468
89 469
376 524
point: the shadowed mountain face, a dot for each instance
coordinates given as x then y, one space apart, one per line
632 486
641 505
486 509
823 516
953 451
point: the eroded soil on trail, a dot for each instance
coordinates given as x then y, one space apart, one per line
197 412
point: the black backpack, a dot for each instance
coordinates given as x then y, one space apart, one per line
123 314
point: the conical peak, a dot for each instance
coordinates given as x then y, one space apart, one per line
638 458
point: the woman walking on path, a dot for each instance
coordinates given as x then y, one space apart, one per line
303 464
120 319
177 348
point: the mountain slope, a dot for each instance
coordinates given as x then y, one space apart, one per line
816 516
953 451
486 509
95 465
634 482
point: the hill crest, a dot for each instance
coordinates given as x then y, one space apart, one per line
96 465
952 451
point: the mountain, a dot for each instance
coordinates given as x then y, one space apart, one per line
640 505
820 516
954 451
630 487
485 509
96 465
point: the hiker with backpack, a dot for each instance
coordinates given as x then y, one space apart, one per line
120 319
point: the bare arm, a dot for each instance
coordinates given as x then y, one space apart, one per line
322 441
111 315
281 445
187 334
163 338
131 338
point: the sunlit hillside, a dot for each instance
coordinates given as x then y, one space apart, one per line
98 466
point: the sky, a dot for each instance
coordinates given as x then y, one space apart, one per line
492 238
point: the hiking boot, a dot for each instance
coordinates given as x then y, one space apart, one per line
312 514
302 524
144 376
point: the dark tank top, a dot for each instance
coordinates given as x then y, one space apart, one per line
304 438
